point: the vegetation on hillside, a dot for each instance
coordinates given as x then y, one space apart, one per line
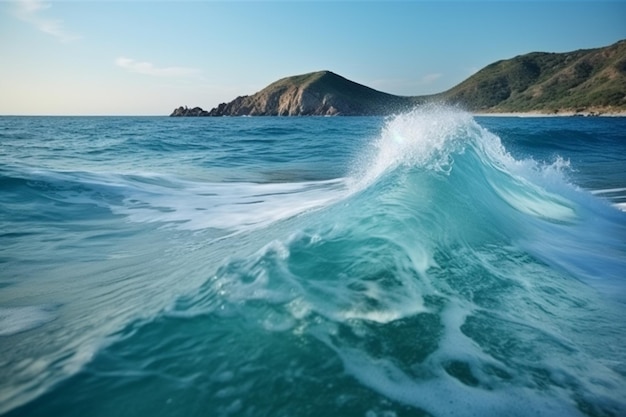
583 80
592 80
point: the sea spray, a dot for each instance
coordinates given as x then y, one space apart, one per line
440 275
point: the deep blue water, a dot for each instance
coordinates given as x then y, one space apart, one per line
428 264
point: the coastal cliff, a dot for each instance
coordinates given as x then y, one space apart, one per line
322 93
584 81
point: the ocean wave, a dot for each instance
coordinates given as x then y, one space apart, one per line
442 276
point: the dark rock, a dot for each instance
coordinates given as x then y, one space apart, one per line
187 112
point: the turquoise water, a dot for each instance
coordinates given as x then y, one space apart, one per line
428 264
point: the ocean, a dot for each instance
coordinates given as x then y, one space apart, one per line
431 263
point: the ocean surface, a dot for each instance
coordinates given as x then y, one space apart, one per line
426 264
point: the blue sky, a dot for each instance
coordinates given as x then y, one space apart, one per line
147 57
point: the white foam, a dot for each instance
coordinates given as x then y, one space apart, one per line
531 200
613 195
20 319
443 395
146 197
231 207
608 191
424 137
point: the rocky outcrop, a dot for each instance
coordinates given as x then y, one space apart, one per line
322 93
187 112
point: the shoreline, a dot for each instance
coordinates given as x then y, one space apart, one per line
558 114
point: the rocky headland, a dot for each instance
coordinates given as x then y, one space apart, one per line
187 112
582 82
321 93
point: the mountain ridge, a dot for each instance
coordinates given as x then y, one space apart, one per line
585 80
582 80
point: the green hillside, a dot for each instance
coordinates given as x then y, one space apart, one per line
592 81
583 80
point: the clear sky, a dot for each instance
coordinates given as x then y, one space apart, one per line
148 57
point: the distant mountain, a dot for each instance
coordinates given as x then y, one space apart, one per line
583 80
592 80
322 93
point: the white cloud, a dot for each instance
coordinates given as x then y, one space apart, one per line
32 12
148 68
